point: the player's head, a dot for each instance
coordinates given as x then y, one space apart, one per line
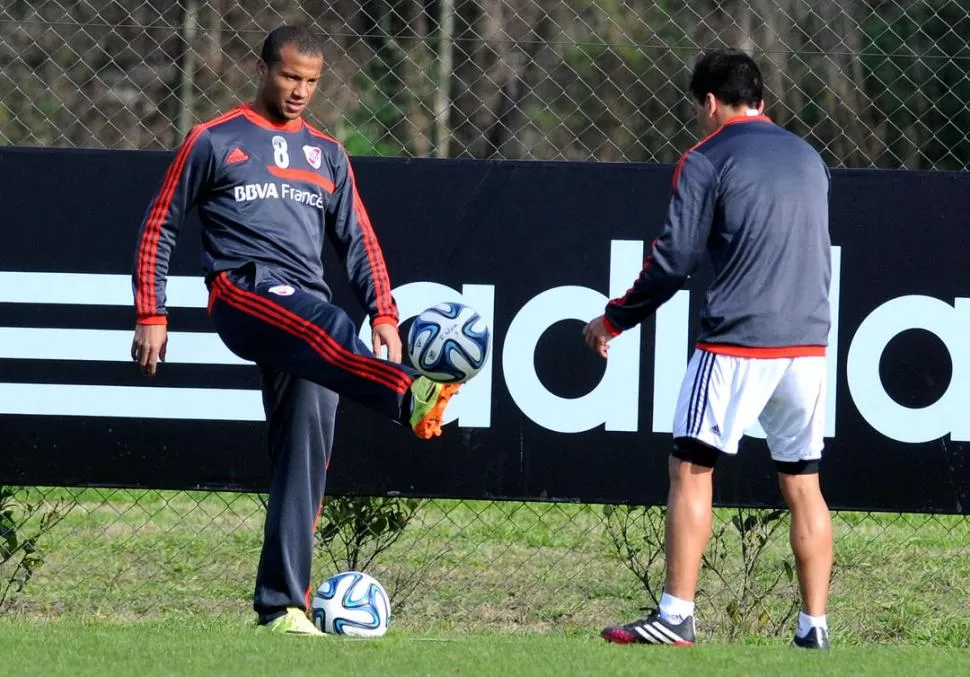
725 83
289 69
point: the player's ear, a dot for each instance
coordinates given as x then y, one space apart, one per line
761 107
710 105
261 68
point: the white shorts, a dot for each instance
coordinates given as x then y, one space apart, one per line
722 396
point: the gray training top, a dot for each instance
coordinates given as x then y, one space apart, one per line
273 195
756 197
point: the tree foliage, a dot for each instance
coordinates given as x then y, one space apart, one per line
871 83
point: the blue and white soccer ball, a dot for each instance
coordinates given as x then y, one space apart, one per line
351 603
448 343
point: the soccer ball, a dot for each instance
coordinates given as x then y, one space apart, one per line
448 343
353 604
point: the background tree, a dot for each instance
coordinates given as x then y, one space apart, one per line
872 83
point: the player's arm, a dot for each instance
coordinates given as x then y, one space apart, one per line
350 231
673 257
680 247
185 180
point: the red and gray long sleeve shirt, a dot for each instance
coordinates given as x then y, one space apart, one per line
268 194
755 197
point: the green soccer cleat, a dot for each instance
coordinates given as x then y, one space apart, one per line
428 402
293 622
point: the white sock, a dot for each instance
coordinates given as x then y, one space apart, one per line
675 610
806 623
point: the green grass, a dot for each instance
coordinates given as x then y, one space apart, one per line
473 567
155 648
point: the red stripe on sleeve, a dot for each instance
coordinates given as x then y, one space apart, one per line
153 229
382 283
316 132
647 262
146 303
733 121
611 328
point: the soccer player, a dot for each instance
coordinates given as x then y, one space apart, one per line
755 198
272 192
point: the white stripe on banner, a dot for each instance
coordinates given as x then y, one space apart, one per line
113 346
103 345
42 399
94 290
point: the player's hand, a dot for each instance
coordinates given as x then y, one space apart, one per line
387 335
597 337
149 346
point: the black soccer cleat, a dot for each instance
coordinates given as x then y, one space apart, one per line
652 630
817 638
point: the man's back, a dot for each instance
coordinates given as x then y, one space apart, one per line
755 198
769 241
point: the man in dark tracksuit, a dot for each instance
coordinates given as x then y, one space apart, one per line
755 197
271 192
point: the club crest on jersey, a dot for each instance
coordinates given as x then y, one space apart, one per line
281 290
313 155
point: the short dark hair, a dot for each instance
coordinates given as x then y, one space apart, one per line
730 75
300 37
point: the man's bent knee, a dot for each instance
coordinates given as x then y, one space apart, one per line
694 451
809 467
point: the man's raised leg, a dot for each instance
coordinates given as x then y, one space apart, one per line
304 335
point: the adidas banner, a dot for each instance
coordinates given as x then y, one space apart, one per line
537 248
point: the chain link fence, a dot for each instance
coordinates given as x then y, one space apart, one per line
871 83
468 566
